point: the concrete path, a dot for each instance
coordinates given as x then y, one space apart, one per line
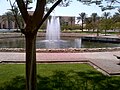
102 60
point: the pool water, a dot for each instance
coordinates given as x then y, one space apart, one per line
64 43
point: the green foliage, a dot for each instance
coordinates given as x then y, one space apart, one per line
30 1
111 4
64 77
70 80
116 25
43 26
82 17
69 27
17 83
105 24
89 26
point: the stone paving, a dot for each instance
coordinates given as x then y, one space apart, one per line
104 61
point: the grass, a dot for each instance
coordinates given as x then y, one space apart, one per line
9 71
84 32
48 69
58 77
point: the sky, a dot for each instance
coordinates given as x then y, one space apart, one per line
74 9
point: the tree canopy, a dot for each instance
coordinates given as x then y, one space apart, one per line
104 4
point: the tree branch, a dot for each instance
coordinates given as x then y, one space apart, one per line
23 10
118 1
48 13
14 13
39 12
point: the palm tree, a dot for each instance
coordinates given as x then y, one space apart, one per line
19 23
18 18
88 22
8 16
94 18
105 16
116 19
82 18
71 19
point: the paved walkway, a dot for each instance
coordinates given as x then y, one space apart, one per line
103 60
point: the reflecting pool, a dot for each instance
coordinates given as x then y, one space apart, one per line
63 43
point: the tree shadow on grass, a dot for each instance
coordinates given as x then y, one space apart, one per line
70 80
17 83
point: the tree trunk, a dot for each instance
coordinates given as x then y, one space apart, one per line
30 61
105 32
97 32
82 25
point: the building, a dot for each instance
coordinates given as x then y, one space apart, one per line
11 24
6 24
67 20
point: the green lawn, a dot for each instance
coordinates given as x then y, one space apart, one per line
9 71
58 77
49 69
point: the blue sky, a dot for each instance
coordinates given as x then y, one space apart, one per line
74 9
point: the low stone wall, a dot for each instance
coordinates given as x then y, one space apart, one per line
10 35
102 39
69 50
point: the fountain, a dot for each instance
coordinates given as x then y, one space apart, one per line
53 29
53 33
53 40
78 43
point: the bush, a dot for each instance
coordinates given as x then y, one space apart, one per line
17 83
69 27
70 80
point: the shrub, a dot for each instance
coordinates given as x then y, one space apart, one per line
71 80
